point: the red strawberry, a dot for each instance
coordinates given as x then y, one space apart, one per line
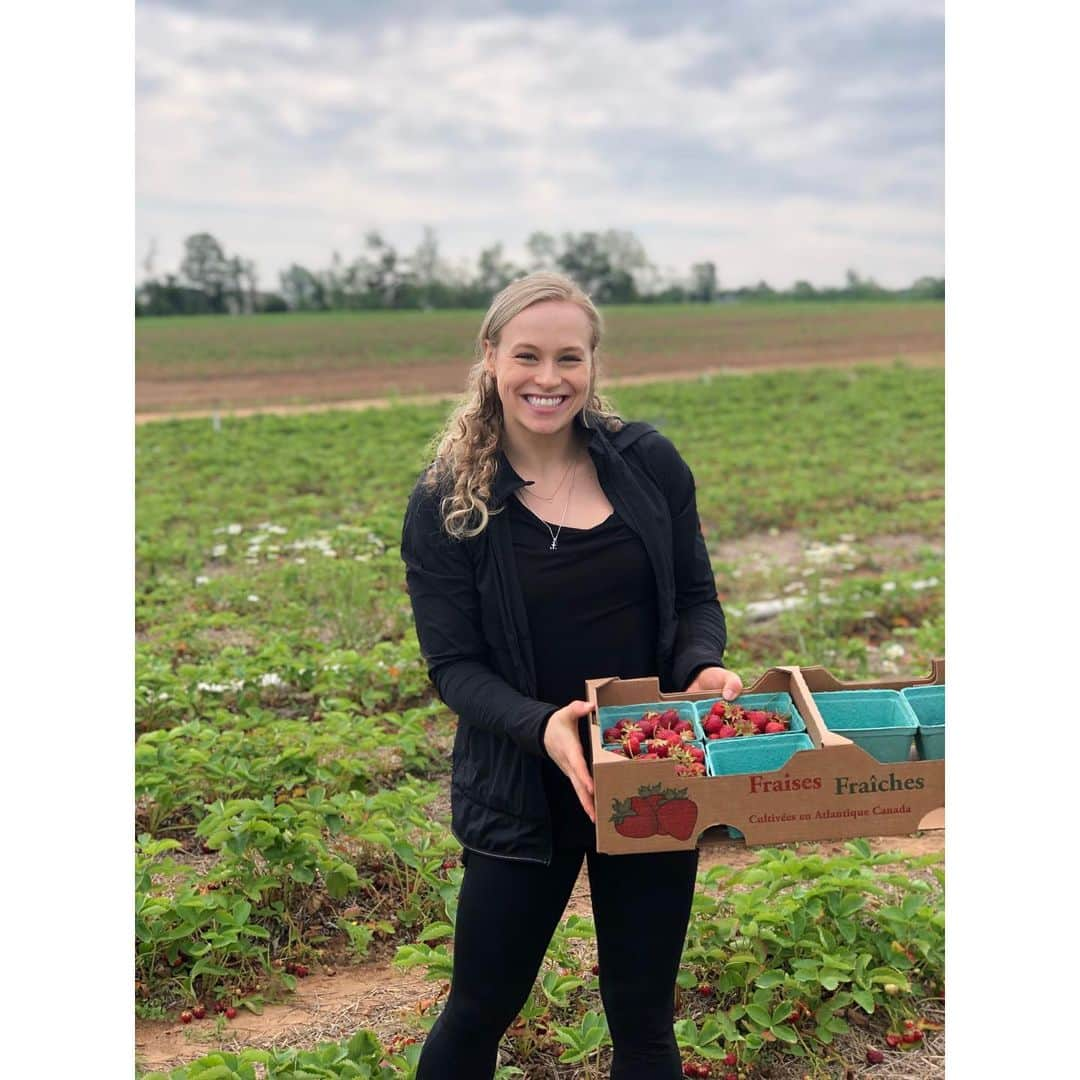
659 747
774 728
185 1017
697 753
230 1012
874 1057
911 1036
909 1024
634 818
677 816
717 708
689 1069
648 725
892 1040
669 717
633 744
199 1012
611 734
730 1059
704 989
713 724
668 735
726 732
648 757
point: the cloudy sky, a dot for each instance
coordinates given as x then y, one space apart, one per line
782 139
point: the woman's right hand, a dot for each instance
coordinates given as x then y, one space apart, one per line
563 746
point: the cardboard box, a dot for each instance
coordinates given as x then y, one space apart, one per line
834 791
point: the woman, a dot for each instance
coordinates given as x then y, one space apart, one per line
550 542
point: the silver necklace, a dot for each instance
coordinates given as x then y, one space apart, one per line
551 497
566 506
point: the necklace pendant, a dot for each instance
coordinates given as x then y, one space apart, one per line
553 545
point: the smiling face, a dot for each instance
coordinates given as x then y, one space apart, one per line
542 368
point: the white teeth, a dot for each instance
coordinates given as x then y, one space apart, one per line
543 401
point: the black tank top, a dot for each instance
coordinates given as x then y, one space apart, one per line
592 612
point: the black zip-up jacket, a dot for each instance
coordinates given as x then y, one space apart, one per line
474 632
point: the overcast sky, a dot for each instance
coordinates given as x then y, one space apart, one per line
783 139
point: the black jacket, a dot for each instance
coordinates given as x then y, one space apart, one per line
474 633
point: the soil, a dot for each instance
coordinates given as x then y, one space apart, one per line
284 392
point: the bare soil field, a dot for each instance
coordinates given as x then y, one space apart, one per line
286 392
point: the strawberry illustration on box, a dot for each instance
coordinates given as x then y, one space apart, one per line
655 811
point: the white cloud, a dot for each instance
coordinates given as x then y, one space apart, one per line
287 141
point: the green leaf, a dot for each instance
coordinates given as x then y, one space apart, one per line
768 979
786 1033
435 930
864 999
759 1016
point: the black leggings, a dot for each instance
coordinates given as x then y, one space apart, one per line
507 914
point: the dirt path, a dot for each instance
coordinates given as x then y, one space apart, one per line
277 393
390 1001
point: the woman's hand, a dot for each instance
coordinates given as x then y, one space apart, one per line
725 682
563 746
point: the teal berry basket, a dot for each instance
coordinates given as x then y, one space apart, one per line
778 703
752 754
928 705
878 721
609 715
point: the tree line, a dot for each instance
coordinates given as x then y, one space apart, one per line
611 266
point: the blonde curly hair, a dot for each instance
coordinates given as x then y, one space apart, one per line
465 451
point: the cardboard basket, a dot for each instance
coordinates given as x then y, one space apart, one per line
928 705
832 790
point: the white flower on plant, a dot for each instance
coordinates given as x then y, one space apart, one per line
928 583
235 530
888 586
253 598
163 695
202 579
219 550
211 687
300 559
893 650
271 678
330 553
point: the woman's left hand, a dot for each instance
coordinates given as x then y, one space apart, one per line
725 682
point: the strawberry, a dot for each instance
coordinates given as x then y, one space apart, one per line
648 757
595 969
634 818
659 747
726 732
199 1011
677 816
612 734
730 1059
669 716
892 1040
648 724
704 989
874 1057
773 727
668 735
230 1013
758 717
713 724
185 1017
632 743
908 1024
697 754
913 1036
695 768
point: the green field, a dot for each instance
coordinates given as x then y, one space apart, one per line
292 760
190 346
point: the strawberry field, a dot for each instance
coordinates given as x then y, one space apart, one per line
292 762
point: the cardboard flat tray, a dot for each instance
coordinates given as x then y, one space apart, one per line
834 791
